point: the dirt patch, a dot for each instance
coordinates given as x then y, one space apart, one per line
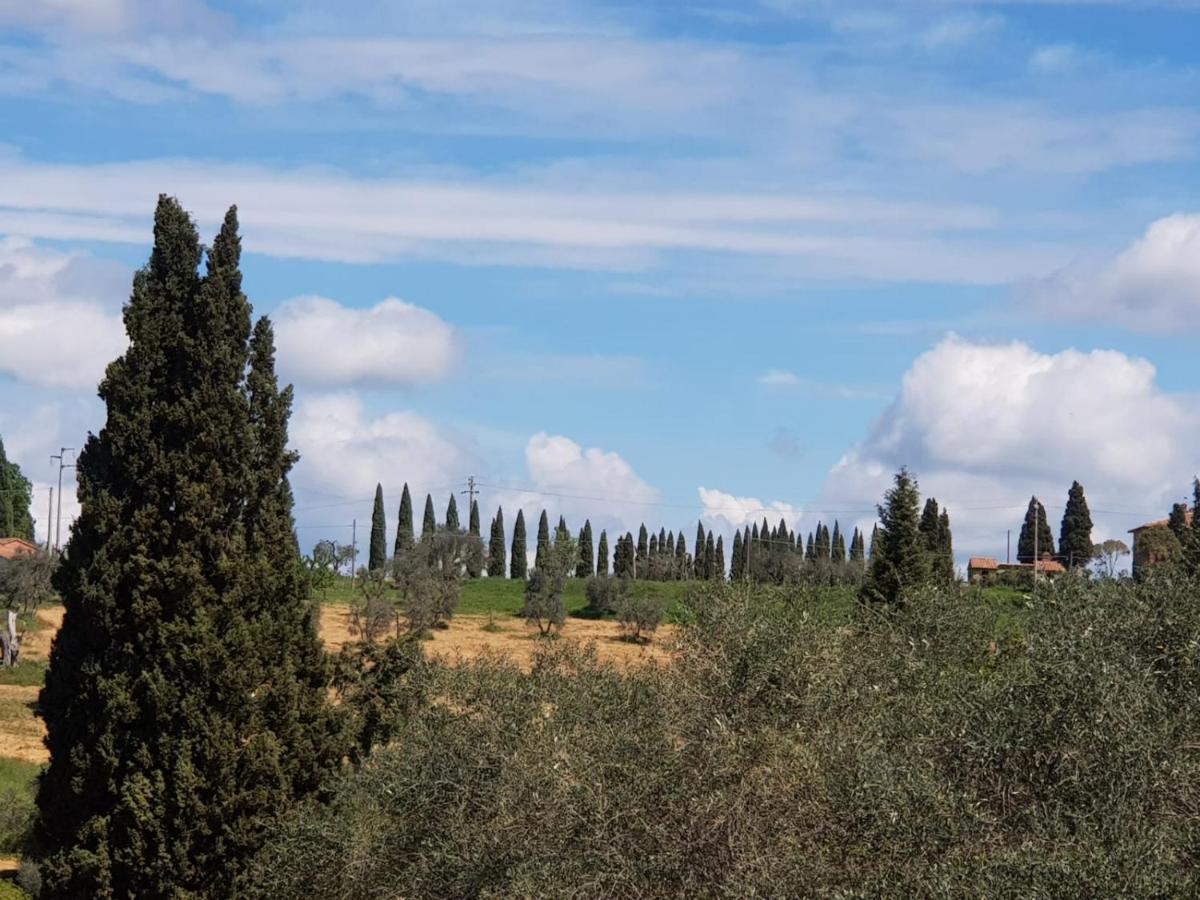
466 638
36 644
21 732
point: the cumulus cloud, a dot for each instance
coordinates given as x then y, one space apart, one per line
577 482
345 450
59 315
727 512
391 343
984 426
779 377
1153 284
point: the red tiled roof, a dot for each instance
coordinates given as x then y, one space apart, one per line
1160 523
982 562
12 547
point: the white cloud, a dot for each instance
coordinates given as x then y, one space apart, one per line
779 377
59 325
985 426
1153 284
726 512
392 343
111 17
345 451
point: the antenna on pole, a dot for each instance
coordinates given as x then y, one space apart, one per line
61 465
471 491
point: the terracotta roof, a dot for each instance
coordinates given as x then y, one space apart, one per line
12 547
1050 565
982 562
1160 523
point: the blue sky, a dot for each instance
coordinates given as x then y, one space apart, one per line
698 259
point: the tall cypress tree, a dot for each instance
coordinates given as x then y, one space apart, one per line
377 557
698 562
719 559
653 548
1035 516
1075 534
429 522
1178 522
519 560
641 569
681 563
496 560
602 554
929 526
856 547
562 530
404 527
943 567
710 557
16 494
181 584
874 536
810 550
585 568
735 558
452 523
475 556
900 561
838 549
543 540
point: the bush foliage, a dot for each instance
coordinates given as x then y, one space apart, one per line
951 748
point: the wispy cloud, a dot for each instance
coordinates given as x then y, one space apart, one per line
783 378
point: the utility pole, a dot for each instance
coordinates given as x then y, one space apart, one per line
49 519
353 551
61 465
1008 549
1036 524
471 491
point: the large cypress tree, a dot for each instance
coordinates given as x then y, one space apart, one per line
718 571
404 527
642 557
929 526
495 563
519 561
185 702
1178 522
1035 516
710 557
377 557
735 557
429 521
585 568
838 549
452 523
943 567
474 561
602 554
900 561
543 540
16 495
1075 535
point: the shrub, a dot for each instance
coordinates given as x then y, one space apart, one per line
605 592
640 614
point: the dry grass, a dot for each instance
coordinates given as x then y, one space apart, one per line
467 638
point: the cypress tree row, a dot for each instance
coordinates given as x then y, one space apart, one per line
496 560
838 552
377 556
474 563
561 531
543 539
181 584
1075 534
452 523
16 494
519 561
585 569
404 527
602 554
899 560
429 523
1035 517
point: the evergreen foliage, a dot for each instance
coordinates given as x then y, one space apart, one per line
1075 535
377 555
404 527
16 496
1178 522
736 562
543 537
519 560
602 554
186 698
900 561
496 556
718 571
585 567
838 551
429 522
643 552
452 523
1035 516
474 560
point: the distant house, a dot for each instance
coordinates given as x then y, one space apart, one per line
1155 542
12 547
985 569
980 569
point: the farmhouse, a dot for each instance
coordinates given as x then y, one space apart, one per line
12 547
1154 542
985 569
